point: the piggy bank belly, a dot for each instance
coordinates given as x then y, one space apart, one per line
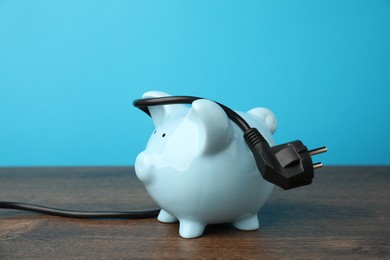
211 193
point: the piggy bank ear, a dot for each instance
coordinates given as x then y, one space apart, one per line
266 116
159 113
215 128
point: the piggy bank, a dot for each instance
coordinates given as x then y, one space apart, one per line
198 168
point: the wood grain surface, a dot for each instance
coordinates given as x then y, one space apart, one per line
344 214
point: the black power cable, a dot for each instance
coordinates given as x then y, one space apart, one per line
79 214
143 104
287 165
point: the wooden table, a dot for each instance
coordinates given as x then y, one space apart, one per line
343 214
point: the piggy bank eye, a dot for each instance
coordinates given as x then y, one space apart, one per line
163 135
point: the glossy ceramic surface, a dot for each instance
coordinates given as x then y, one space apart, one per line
198 168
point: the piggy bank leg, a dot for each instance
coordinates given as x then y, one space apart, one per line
247 222
191 229
165 217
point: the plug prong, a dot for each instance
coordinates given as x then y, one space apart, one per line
318 150
317 165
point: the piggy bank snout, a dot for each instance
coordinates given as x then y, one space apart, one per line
144 167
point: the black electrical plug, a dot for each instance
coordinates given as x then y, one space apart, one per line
287 165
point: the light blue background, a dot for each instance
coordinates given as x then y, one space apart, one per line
69 71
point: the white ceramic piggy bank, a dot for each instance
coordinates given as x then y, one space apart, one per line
198 168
